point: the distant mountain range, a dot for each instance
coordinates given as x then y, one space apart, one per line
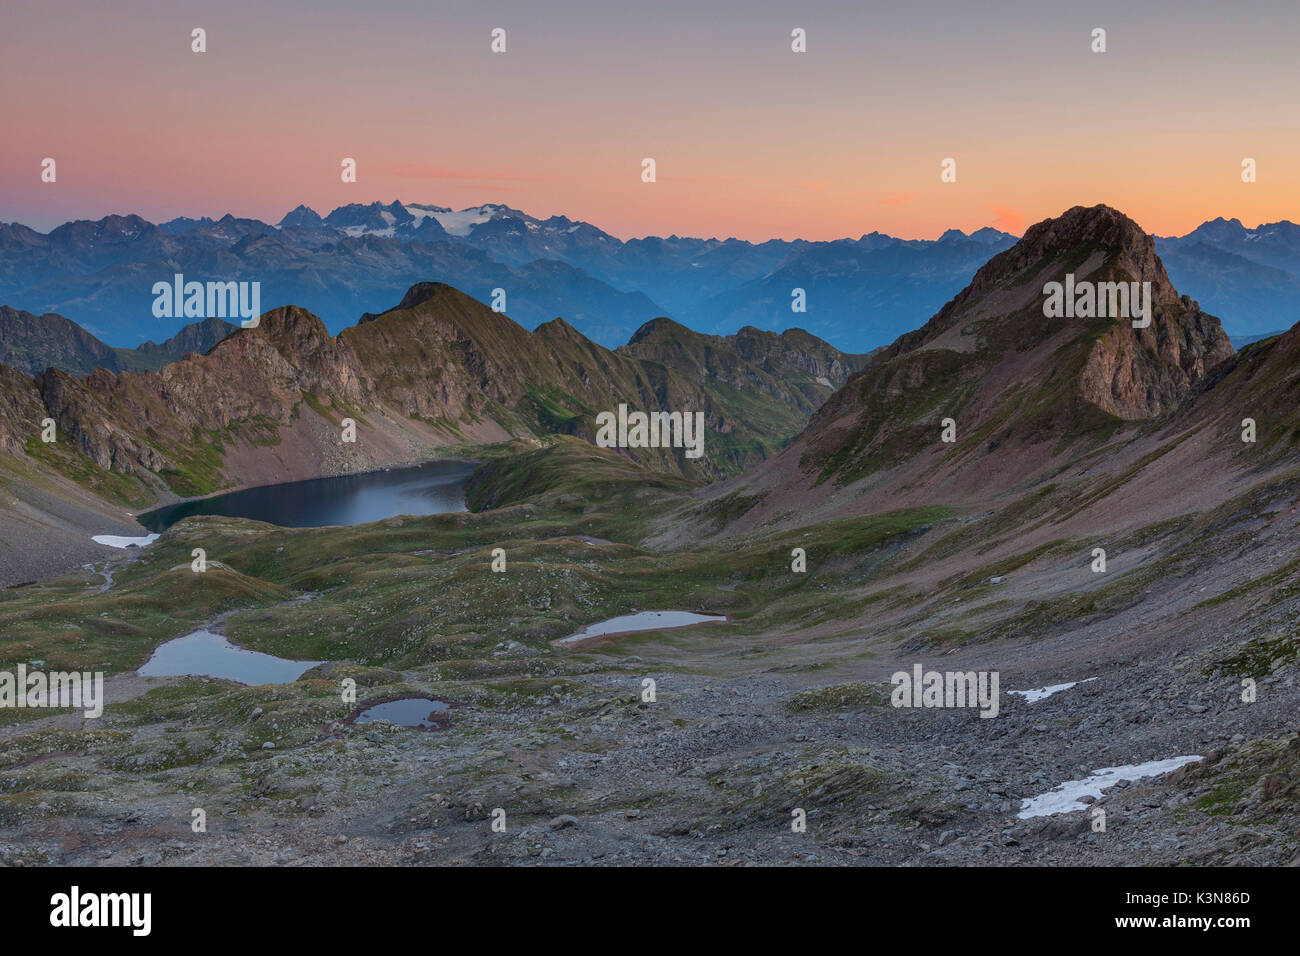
1250 278
860 293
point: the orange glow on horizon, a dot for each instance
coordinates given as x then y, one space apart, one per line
751 140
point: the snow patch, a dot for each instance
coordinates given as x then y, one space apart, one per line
1038 693
460 223
354 232
119 541
640 621
1066 797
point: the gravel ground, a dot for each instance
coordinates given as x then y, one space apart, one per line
709 773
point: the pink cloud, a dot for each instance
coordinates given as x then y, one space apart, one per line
1008 220
421 171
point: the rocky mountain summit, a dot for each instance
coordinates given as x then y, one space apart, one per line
992 392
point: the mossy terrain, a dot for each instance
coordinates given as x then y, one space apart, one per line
898 406
112 485
197 465
569 465
838 698
1254 785
844 788
71 624
1261 656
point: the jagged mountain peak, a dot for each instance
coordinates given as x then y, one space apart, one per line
112 224
660 330
1003 306
1100 225
301 217
1097 228
289 328
558 328
1014 377
424 292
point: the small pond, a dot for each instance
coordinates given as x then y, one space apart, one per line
204 654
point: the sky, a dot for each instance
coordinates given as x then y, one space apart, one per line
749 138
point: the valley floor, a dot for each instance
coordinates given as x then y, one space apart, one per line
787 707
